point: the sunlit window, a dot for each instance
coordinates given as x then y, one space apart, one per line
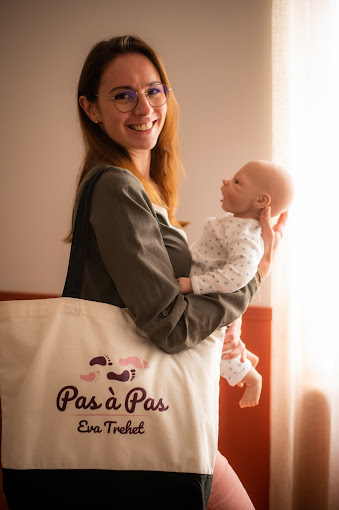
307 103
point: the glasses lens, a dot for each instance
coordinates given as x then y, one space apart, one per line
157 95
125 100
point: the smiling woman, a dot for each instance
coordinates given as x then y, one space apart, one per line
98 78
128 116
134 123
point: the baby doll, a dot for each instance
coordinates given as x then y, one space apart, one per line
227 255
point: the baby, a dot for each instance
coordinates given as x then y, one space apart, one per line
227 255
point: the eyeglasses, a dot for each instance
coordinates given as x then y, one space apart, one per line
127 99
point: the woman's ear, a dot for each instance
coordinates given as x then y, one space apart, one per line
90 108
263 201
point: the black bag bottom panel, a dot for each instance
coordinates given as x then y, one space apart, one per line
91 489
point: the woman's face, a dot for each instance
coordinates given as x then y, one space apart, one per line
139 129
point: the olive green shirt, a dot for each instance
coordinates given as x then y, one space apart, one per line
132 262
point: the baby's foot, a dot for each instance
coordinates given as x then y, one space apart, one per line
251 395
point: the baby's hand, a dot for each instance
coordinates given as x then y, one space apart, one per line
185 284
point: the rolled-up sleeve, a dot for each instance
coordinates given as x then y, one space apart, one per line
135 256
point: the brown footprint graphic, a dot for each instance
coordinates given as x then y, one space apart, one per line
126 375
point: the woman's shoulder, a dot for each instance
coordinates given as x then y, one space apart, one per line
118 186
118 181
116 176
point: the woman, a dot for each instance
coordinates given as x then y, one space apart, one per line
128 116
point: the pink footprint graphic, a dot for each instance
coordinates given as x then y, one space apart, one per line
92 376
135 361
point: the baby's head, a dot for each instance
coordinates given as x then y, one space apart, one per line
255 186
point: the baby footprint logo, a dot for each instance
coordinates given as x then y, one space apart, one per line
126 375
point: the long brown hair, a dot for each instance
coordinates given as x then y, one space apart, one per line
166 165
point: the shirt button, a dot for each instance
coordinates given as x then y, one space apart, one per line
164 313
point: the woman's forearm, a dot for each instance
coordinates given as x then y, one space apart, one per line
202 314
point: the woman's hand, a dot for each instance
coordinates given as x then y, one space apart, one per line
272 237
233 343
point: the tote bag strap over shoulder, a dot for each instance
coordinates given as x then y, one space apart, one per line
75 272
77 258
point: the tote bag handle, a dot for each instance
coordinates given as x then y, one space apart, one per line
76 264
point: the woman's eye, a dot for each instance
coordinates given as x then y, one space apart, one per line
153 91
126 95
236 181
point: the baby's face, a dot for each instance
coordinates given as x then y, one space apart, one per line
239 193
255 186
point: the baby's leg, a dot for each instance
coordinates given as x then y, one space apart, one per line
253 383
253 358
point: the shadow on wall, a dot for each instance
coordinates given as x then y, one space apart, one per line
312 453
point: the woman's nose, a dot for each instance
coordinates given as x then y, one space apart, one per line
143 107
225 182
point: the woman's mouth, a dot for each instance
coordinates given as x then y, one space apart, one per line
142 127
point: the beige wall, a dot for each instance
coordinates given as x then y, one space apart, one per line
217 54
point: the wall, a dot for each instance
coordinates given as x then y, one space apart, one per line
217 55
244 434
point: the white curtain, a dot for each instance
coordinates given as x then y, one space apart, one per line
305 278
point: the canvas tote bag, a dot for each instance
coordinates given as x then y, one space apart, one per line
82 388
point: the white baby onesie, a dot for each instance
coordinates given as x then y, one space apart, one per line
227 255
225 259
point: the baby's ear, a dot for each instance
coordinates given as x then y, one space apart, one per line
263 201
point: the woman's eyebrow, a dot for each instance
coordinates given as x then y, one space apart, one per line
156 82
120 87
